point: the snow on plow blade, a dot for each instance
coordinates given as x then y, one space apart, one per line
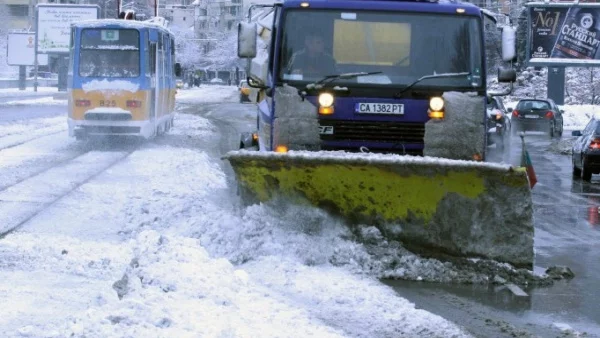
458 208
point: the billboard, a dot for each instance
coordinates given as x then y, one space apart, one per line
54 25
564 34
21 50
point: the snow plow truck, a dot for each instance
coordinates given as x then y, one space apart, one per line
376 112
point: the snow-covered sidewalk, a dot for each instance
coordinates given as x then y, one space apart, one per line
156 246
16 92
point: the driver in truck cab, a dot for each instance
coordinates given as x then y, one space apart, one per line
312 61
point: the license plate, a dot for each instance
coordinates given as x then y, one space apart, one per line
532 116
379 108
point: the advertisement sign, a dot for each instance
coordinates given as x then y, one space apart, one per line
54 25
568 35
21 50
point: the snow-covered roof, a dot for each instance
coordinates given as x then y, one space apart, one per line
119 22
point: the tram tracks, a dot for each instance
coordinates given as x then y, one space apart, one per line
23 200
13 140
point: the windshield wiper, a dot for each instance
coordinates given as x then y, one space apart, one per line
432 76
330 78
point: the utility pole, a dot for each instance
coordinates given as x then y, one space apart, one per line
23 69
30 13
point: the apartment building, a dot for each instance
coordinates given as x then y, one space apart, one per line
18 13
217 15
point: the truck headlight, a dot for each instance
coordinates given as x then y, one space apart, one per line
436 103
326 100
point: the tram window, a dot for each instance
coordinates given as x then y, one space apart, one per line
109 63
147 69
172 46
152 58
109 53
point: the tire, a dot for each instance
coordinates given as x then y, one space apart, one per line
561 131
552 127
586 174
576 171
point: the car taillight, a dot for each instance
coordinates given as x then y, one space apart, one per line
515 113
82 103
549 115
595 144
134 104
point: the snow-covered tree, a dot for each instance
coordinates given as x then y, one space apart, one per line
222 53
582 86
188 50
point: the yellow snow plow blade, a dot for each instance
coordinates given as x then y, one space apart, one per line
450 207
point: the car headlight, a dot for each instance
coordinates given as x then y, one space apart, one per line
436 103
326 100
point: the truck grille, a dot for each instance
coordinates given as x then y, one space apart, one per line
386 132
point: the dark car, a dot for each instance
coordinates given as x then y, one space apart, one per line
498 123
586 150
537 115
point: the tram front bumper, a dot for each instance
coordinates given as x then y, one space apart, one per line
78 128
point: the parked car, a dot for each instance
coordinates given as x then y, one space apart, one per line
586 150
244 91
537 115
498 122
216 80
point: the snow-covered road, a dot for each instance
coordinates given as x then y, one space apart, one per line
146 240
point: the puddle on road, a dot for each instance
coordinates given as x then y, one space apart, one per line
494 311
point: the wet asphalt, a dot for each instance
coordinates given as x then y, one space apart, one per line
567 233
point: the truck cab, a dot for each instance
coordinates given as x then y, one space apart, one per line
360 75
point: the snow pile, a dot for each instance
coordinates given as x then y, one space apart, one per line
174 288
15 92
65 269
31 125
208 94
577 116
49 100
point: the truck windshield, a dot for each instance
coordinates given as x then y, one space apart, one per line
109 53
402 46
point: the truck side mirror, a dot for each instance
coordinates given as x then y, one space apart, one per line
507 75
247 39
509 40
